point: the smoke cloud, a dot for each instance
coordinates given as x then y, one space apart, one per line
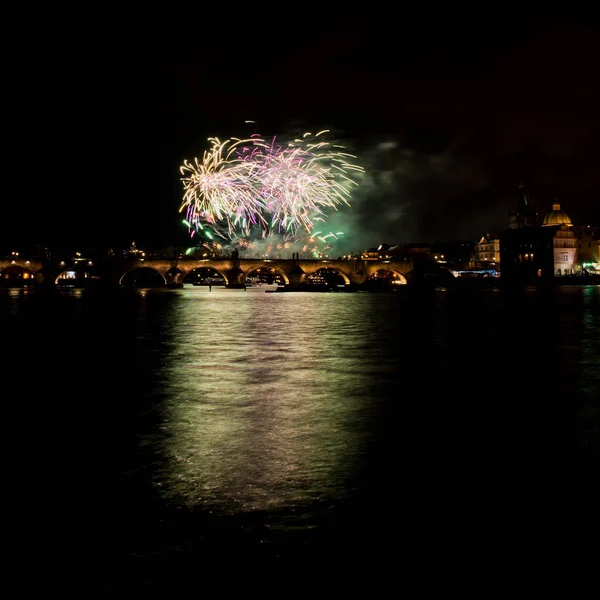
409 195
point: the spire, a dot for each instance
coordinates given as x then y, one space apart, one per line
524 215
524 199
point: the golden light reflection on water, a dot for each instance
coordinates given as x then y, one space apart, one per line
264 401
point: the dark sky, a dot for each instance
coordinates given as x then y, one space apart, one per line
448 114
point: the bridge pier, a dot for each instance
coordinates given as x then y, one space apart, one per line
234 276
296 277
174 277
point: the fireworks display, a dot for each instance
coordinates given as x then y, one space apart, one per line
245 190
220 190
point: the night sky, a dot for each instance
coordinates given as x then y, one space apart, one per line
447 115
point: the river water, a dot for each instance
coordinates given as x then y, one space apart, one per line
152 433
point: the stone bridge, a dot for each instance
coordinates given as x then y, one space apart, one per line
22 270
233 270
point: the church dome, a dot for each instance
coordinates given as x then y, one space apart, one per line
556 217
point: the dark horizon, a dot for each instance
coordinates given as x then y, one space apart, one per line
447 120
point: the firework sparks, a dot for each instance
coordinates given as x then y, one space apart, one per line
301 180
244 185
220 190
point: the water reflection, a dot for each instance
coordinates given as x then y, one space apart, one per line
281 402
264 403
297 424
590 371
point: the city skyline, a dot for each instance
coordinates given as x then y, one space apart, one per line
126 244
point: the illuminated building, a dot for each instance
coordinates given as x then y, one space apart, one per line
549 250
385 251
487 251
134 252
564 242
374 253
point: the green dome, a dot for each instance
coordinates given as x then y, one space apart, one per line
556 217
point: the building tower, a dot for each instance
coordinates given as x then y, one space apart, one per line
524 214
565 243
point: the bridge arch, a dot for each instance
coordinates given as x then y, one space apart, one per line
327 272
75 274
143 276
267 272
16 275
390 275
203 275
